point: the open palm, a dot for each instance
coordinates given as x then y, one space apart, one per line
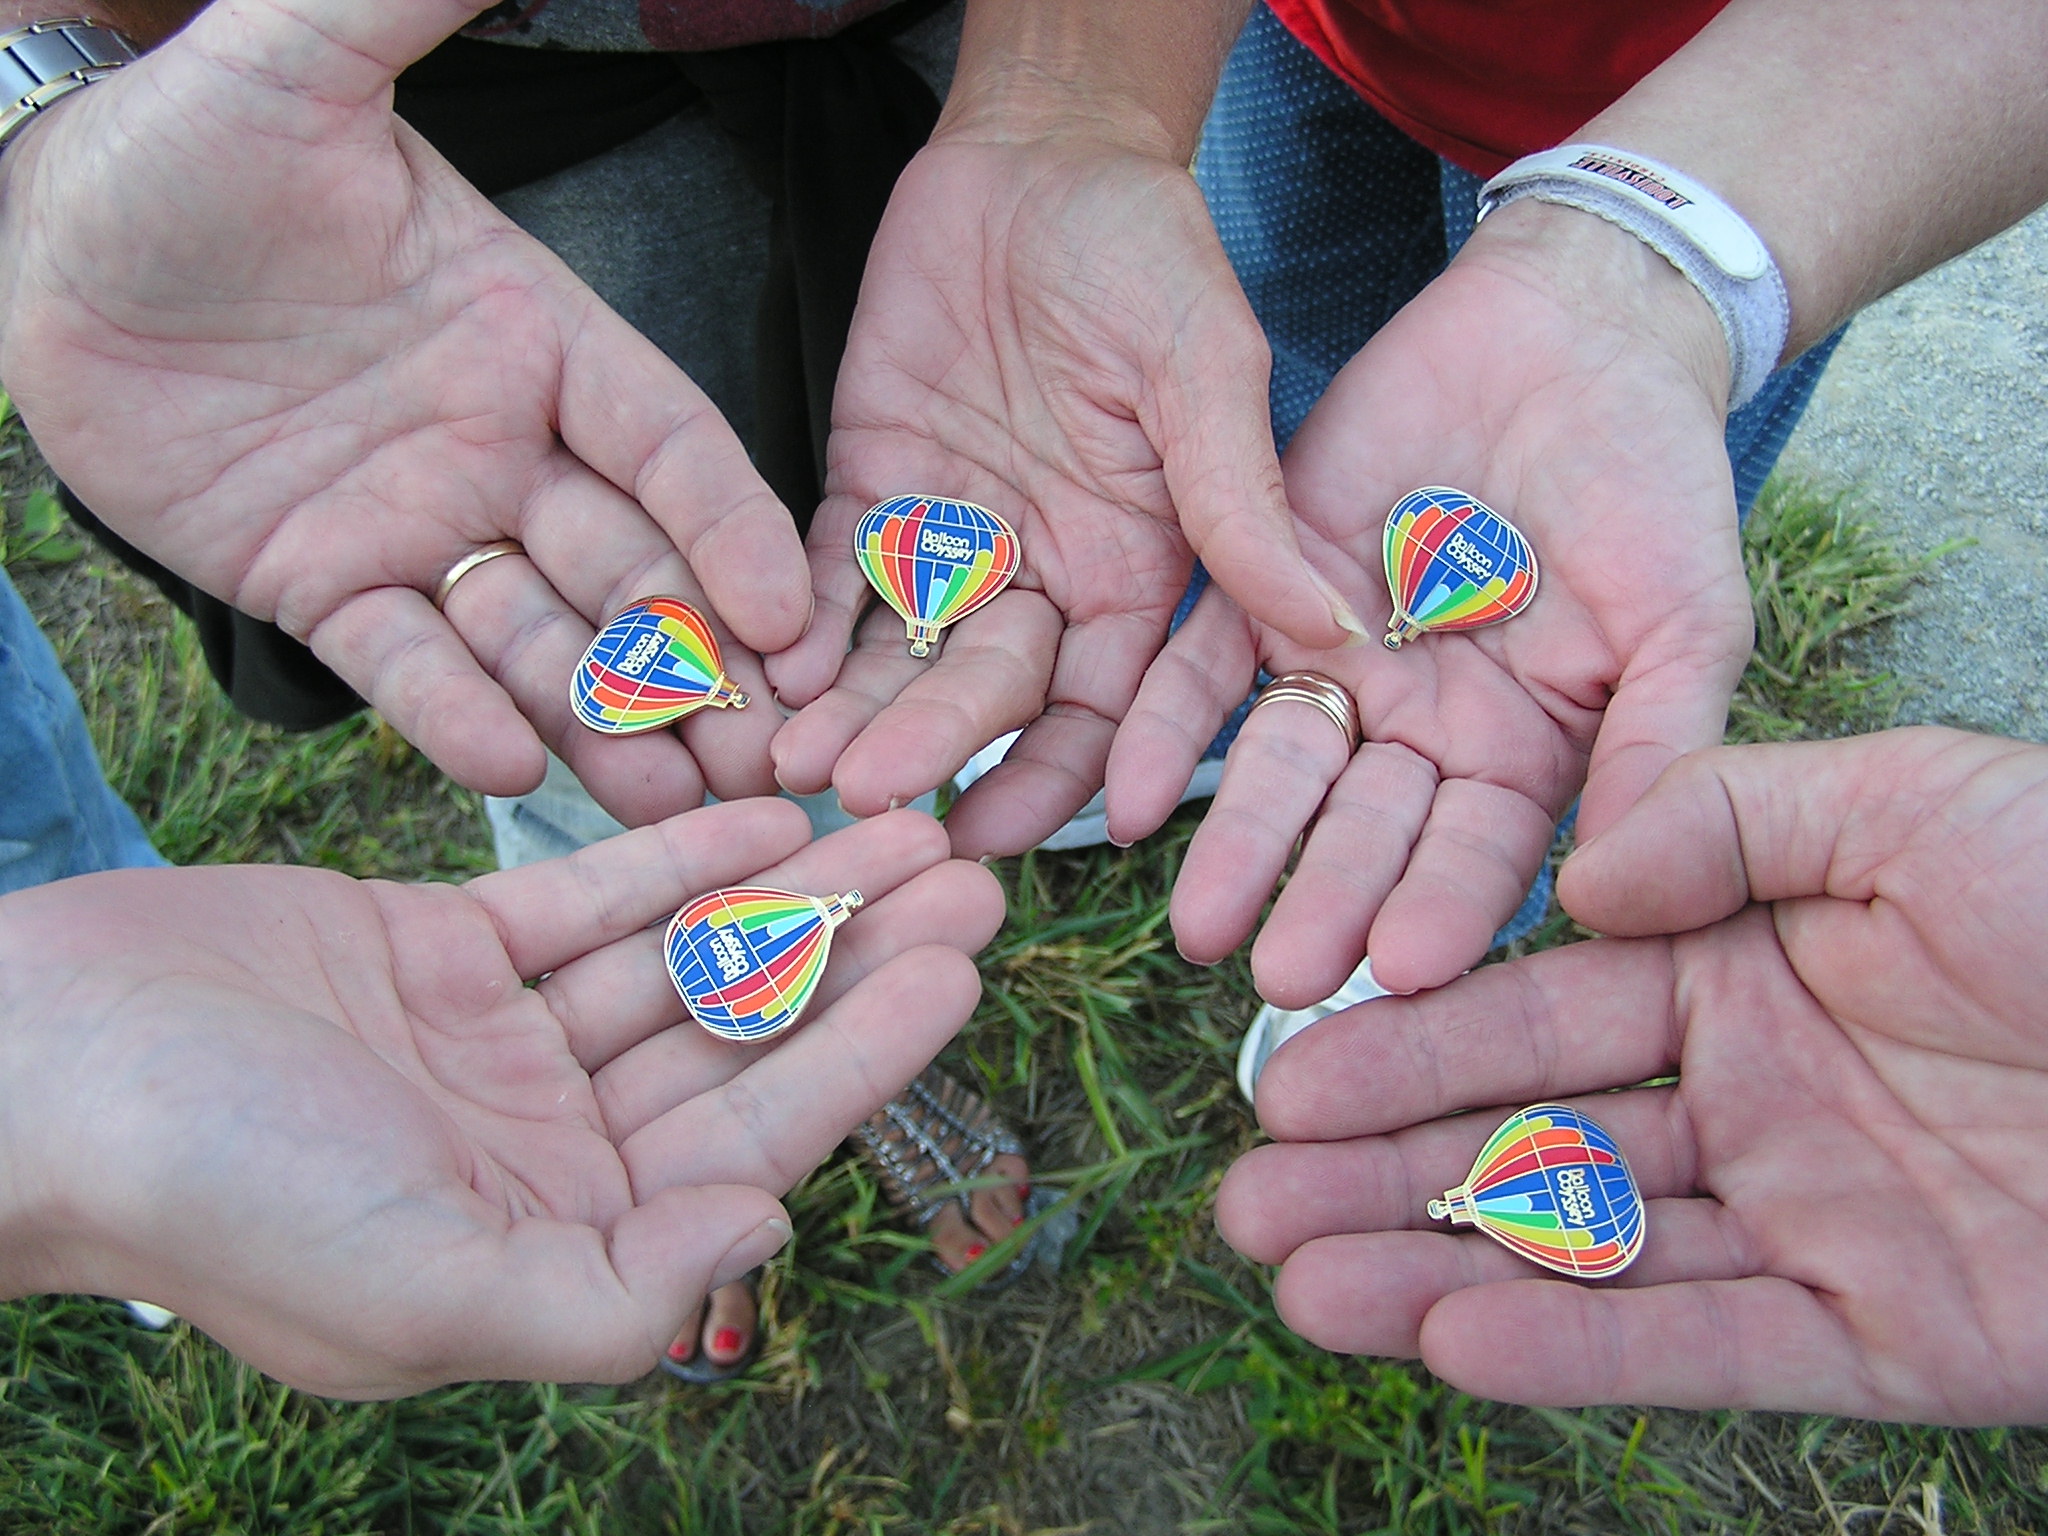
1847 1204
277 343
375 1137
1608 454
1055 333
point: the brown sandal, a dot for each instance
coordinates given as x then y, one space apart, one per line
933 1137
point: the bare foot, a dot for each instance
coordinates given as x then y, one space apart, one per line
723 1330
998 1211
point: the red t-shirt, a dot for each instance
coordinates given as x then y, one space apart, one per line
1483 82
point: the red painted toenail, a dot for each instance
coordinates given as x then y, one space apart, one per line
1016 1221
1023 1191
727 1342
680 1350
975 1251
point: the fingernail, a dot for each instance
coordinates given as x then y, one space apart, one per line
986 860
752 1251
727 1342
975 1251
1120 842
1340 610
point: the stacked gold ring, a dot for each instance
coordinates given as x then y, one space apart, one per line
470 562
1318 692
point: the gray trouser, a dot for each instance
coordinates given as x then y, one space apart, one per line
670 232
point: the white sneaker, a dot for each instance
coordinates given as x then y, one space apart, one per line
1273 1027
1090 825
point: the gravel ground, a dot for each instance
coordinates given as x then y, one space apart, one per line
1936 406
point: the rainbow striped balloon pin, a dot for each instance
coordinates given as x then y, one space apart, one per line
934 561
1453 563
1553 1186
747 959
652 665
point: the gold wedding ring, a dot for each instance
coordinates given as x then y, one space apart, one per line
1318 692
470 562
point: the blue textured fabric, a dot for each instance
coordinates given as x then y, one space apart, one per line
1758 432
1333 219
58 817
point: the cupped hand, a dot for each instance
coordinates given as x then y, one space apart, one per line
273 340
375 1137
1050 328
1565 376
1847 1204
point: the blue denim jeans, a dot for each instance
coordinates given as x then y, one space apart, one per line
58 816
1334 219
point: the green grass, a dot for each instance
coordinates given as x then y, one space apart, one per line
214 787
1820 580
1147 1386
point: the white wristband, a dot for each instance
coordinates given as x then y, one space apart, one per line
1685 224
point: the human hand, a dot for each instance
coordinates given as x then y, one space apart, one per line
1048 326
375 1137
1847 1209
1566 376
272 339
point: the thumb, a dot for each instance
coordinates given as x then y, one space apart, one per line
563 1303
1731 825
632 415
338 52
1215 437
1662 708
1672 862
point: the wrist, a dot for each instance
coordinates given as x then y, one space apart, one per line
1686 223
1135 74
1028 103
1607 277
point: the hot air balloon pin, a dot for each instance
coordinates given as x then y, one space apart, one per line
1453 563
652 665
1553 1186
746 959
934 561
